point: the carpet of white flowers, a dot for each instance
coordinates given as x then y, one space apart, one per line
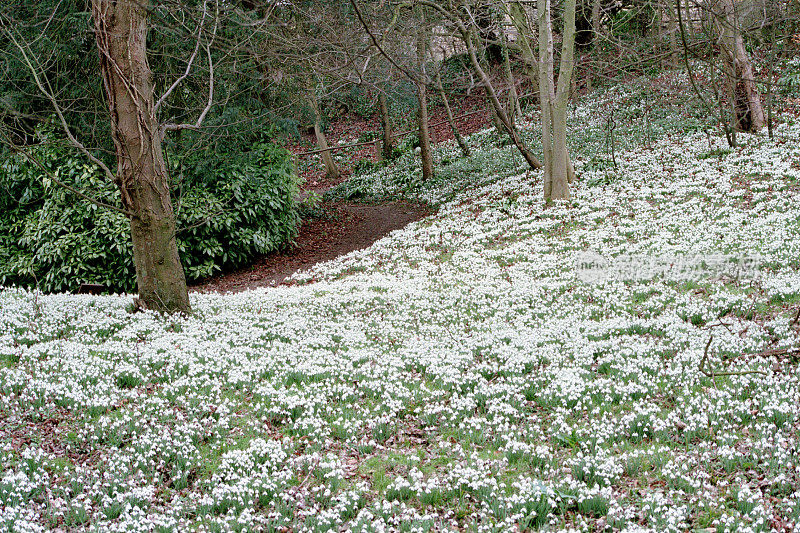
460 374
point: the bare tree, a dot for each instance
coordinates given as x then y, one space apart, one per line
121 34
558 170
747 113
454 16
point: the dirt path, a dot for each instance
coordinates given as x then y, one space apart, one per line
342 228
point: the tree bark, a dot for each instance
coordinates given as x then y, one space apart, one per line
425 151
331 169
558 172
747 111
450 120
387 148
121 33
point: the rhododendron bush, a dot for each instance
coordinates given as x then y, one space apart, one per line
459 374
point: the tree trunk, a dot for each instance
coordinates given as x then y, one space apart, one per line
689 21
546 96
558 172
387 148
424 135
514 108
121 33
425 152
595 36
673 34
331 169
747 111
450 120
478 45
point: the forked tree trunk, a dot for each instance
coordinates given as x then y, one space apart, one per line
450 119
387 147
747 112
558 172
121 32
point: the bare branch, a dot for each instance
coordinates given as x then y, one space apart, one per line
33 159
186 126
711 373
47 92
413 77
188 65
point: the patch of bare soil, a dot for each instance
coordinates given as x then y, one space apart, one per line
345 227
341 229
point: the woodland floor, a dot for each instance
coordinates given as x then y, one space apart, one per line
341 228
625 361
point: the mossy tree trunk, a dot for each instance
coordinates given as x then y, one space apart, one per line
558 171
121 33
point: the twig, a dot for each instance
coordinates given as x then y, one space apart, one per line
383 52
710 373
56 107
718 324
175 127
778 352
188 65
33 159
335 148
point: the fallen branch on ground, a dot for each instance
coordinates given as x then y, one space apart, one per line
712 374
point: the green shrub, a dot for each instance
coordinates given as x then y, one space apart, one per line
227 212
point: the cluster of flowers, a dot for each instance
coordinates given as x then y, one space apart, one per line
526 397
